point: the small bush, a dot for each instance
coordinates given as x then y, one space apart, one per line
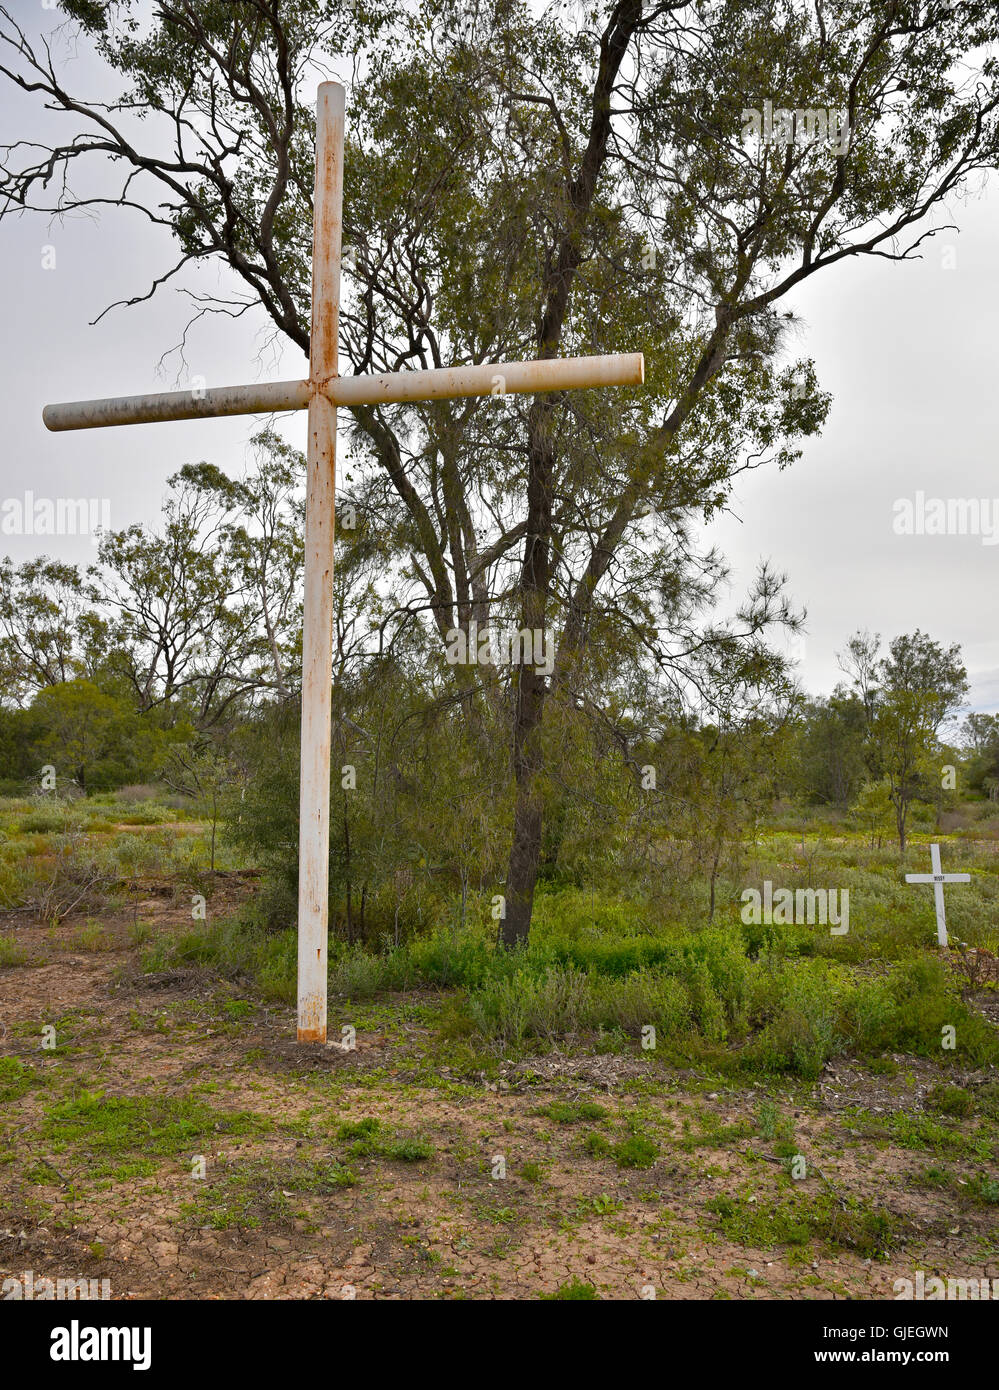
949 1100
638 1151
574 1291
11 953
987 1100
566 1113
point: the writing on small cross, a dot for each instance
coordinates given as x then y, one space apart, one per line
938 878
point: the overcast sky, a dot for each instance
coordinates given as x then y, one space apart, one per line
908 352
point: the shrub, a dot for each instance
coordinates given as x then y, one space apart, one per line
11 953
949 1100
987 1100
804 1034
638 1151
78 878
574 1291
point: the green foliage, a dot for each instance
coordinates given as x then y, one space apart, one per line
11 952
872 812
572 1112
922 1132
907 695
108 1128
246 1193
805 1217
773 1001
92 737
987 1100
949 1100
986 1189
365 1139
826 760
558 1002
358 1129
573 1291
637 1151
494 240
17 1078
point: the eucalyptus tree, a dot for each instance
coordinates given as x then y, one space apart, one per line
183 628
909 693
262 533
921 685
631 174
50 627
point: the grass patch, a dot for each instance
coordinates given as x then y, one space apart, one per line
981 1189
367 1139
922 1132
800 1220
637 1151
105 1129
258 1191
573 1291
11 953
567 1113
949 1100
17 1078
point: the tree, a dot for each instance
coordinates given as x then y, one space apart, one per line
205 611
553 182
873 811
860 663
981 733
180 623
50 630
91 737
206 773
918 685
829 749
981 740
262 534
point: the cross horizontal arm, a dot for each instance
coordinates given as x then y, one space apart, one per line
498 378
178 405
490 378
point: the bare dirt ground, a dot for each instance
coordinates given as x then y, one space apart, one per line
225 1162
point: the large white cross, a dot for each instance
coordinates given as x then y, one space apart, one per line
938 878
320 395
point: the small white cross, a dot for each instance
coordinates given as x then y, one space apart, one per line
938 879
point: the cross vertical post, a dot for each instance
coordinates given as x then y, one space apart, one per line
936 869
317 617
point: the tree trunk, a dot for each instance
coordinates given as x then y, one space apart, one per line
535 582
714 879
347 867
525 851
